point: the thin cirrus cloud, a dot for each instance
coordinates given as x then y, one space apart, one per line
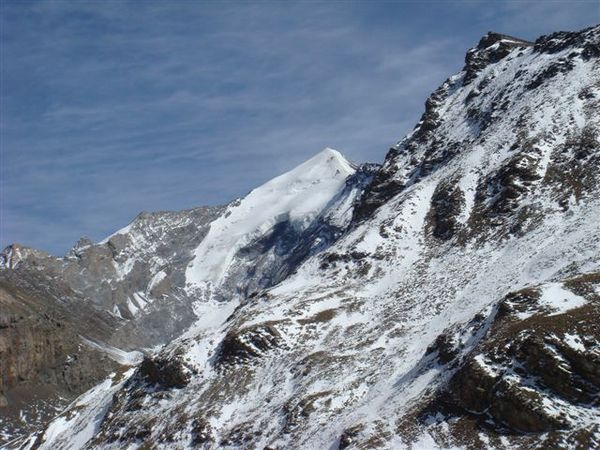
110 108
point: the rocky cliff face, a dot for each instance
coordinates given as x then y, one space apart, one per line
532 378
447 299
44 363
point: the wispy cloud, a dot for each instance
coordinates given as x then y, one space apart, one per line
109 108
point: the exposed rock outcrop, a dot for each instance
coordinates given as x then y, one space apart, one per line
44 362
534 371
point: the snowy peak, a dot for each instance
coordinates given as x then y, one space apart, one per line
491 48
323 168
492 38
546 91
327 163
295 198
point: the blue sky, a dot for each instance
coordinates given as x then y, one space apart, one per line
110 107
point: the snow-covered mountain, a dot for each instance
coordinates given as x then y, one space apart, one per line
448 299
154 278
290 204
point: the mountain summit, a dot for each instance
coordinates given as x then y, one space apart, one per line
151 280
448 298
295 198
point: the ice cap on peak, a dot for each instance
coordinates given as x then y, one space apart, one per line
329 152
328 162
298 196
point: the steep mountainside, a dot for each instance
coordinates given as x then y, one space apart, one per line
42 362
450 301
263 237
145 284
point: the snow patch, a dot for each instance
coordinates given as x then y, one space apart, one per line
116 354
559 299
156 279
574 342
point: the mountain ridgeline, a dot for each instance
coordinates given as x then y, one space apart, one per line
447 298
